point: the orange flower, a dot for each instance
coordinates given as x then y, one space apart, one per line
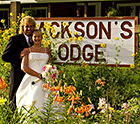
97 81
55 99
87 108
2 83
60 72
73 98
57 88
60 82
60 99
79 110
70 89
102 83
46 85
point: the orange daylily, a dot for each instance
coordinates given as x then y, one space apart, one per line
60 72
2 83
102 83
79 110
87 108
57 88
55 99
73 98
97 81
70 89
46 85
52 88
59 99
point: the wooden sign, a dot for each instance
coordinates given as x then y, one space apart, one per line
106 39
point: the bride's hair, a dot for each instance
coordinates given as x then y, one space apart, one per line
26 19
37 30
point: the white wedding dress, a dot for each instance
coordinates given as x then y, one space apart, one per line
27 93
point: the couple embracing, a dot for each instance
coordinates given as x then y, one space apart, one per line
27 57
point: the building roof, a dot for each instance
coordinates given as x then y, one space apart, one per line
53 1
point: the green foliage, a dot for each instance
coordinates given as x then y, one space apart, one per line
112 12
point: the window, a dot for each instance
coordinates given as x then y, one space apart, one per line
131 9
93 9
36 11
126 10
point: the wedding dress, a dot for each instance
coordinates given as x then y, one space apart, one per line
28 93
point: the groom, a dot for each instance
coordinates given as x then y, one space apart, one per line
13 54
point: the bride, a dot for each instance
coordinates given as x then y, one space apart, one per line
32 64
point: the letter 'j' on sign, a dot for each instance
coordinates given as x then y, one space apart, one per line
106 39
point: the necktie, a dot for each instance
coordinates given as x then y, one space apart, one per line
30 41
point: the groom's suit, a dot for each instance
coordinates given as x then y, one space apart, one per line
12 54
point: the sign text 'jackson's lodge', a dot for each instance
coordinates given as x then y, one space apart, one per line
95 31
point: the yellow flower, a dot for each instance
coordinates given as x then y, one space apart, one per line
49 24
11 29
132 66
11 14
5 38
18 17
45 23
0 46
45 26
64 23
70 39
45 43
52 30
117 38
103 45
75 33
14 23
80 38
42 41
9 36
70 32
12 35
0 40
44 36
84 64
53 35
22 15
48 28
2 101
67 24
133 54
112 109
2 20
3 35
37 25
0 31
75 39
49 42
6 64
7 31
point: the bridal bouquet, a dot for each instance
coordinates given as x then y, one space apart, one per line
49 74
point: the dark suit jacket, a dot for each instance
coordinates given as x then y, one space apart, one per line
12 54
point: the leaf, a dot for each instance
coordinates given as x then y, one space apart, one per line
73 79
89 100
